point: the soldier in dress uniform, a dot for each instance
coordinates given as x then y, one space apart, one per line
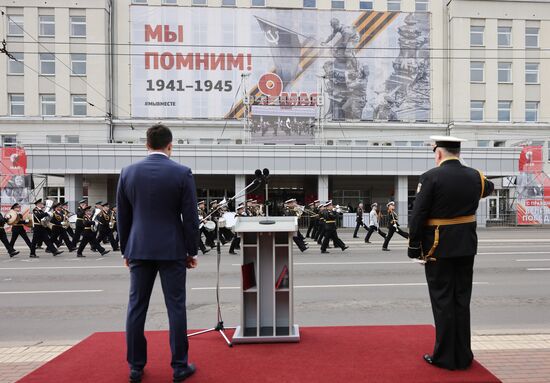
41 233
88 234
393 226
82 204
105 231
236 242
321 230
312 206
330 215
374 219
443 234
202 215
67 213
4 238
359 220
290 209
59 231
114 227
18 227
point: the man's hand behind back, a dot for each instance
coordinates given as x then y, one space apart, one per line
191 262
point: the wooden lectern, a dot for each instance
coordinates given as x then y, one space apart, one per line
267 284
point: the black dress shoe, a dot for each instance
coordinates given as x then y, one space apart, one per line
428 359
355 236
81 256
14 253
57 253
181 375
324 252
345 247
33 256
135 375
385 249
206 251
232 252
105 252
368 242
71 249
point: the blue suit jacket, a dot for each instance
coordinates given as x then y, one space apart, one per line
157 210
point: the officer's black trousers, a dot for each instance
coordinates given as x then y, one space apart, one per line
357 226
391 231
108 234
40 235
372 229
60 235
330 234
4 239
92 240
450 286
19 231
310 229
235 244
77 235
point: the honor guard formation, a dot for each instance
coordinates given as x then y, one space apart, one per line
50 223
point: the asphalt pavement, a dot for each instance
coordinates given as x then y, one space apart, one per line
68 298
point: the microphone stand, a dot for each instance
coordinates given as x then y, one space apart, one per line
219 325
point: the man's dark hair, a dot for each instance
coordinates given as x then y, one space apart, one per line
453 151
158 137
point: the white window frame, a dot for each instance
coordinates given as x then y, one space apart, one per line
44 24
508 110
394 5
79 101
477 30
76 59
477 66
309 6
479 108
421 5
337 4
530 71
44 59
16 25
47 101
532 107
505 32
139 2
256 3
72 139
504 67
17 103
9 140
529 33
366 5
74 23
20 63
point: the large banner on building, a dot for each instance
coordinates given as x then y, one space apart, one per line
205 62
15 185
533 203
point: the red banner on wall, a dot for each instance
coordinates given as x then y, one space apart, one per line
533 186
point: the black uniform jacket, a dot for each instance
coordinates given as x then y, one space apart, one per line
448 191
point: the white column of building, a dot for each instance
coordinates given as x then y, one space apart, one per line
240 183
73 190
401 196
322 188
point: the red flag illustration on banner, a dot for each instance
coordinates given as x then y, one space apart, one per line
12 163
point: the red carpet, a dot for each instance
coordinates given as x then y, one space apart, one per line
325 354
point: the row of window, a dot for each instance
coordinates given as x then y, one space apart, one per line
504 36
47 104
393 5
504 75
504 113
47 64
46 26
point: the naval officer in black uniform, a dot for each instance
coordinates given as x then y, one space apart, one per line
443 233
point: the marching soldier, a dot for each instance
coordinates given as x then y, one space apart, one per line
82 204
67 213
374 223
202 215
18 227
236 242
88 234
4 238
290 210
330 229
321 230
113 225
59 231
443 235
312 219
393 226
40 232
105 226
359 220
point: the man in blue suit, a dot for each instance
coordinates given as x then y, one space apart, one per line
157 240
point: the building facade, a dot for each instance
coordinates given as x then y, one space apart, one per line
70 95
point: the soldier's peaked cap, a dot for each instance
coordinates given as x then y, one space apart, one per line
447 142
